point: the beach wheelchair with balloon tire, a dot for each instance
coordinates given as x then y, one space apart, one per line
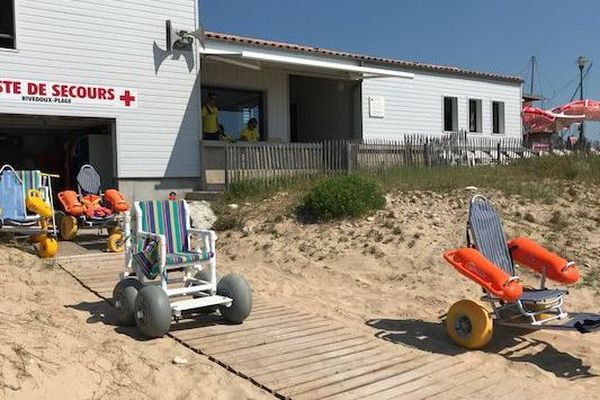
170 269
489 260
90 207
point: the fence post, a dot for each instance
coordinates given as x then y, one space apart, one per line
498 154
349 158
226 166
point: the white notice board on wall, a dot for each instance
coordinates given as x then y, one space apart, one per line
376 106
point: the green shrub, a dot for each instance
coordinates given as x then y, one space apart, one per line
342 196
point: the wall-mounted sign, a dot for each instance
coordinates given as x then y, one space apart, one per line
376 106
42 92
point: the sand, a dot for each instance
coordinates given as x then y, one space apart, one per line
382 275
51 348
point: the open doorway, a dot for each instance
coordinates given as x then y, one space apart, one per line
58 145
324 109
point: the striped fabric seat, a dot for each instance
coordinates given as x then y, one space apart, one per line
183 258
488 237
31 180
168 218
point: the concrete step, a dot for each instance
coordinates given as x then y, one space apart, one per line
207 195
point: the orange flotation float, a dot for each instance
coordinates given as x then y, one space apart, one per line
93 208
70 203
475 266
116 200
529 254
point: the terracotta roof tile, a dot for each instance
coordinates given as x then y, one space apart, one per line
225 37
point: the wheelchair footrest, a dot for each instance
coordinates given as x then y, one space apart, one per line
200 303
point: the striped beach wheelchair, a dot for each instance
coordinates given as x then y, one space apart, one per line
26 208
90 207
170 269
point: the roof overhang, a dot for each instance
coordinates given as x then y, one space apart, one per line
251 59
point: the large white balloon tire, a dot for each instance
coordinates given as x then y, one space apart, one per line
237 288
152 312
124 295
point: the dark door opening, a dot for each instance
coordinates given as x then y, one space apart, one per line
323 109
58 145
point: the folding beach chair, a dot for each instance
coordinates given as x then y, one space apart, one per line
163 251
26 207
489 260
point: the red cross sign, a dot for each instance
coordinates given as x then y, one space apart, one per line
127 98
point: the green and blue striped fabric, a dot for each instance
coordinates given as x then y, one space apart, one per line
31 180
167 218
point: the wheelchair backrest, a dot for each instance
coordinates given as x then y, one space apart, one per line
88 181
165 217
485 233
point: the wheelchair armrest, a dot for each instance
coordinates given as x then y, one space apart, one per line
206 237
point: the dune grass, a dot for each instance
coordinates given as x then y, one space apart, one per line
536 178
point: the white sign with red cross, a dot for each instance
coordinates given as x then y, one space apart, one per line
42 92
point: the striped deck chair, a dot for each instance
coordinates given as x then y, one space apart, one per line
33 180
12 199
485 233
161 238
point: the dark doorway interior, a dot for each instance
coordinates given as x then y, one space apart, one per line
58 145
324 109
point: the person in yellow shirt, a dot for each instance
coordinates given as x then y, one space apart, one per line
250 132
210 118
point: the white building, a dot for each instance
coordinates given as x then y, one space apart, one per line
92 81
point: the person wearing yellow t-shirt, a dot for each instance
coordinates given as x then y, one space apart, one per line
210 118
250 132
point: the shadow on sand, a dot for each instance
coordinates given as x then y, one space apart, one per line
508 343
102 312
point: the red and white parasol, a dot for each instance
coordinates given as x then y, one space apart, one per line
542 121
590 109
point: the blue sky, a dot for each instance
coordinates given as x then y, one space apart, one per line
489 35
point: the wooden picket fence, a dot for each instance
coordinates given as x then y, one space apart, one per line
270 162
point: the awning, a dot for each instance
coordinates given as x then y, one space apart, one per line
244 58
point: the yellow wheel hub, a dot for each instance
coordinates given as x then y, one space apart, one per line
116 243
47 247
68 227
469 324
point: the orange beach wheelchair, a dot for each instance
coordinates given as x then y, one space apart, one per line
489 260
92 208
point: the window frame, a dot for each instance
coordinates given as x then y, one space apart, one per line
454 114
501 117
478 115
262 120
14 28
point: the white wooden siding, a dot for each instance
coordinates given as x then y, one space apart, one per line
116 43
415 106
273 82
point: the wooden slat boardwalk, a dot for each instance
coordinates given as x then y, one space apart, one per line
301 356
